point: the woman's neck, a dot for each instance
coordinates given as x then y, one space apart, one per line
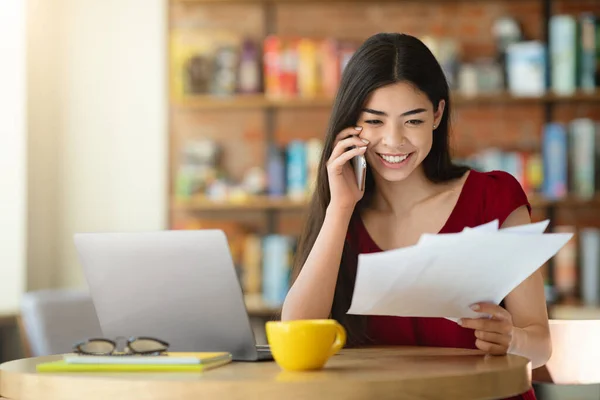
400 197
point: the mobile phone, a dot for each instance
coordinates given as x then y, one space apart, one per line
360 170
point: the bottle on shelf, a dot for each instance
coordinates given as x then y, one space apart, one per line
276 172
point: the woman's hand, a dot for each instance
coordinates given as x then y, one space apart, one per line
494 334
342 180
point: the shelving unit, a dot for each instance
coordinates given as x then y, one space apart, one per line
299 1
270 109
264 203
251 102
256 203
263 102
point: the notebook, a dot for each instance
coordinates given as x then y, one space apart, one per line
171 362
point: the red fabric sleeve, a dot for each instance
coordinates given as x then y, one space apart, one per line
504 195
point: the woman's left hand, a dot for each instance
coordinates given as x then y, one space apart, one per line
494 334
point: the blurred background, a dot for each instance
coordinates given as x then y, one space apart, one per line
189 114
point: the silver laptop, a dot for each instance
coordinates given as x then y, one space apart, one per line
179 286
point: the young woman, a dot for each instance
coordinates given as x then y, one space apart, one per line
393 106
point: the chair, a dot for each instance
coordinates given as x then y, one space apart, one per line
52 321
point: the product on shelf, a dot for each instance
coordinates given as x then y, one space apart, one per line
526 68
574 53
506 31
276 172
554 150
249 71
588 49
296 170
330 59
252 265
307 68
524 166
304 67
255 181
204 62
589 248
272 66
563 54
277 257
565 268
314 149
447 52
198 169
224 79
567 165
582 153
290 172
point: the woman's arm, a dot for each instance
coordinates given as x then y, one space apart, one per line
311 295
527 306
521 328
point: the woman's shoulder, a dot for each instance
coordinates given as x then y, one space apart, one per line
495 179
499 193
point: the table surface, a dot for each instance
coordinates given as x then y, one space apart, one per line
399 373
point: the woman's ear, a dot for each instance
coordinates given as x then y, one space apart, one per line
439 113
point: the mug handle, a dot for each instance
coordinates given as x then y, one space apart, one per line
340 338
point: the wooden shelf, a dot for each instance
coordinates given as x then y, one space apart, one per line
569 201
264 203
578 97
288 1
253 203
207 102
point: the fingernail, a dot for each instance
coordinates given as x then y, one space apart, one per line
358 128
475 307
460 322
365 141
363 147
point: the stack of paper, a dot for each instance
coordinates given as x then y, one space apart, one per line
444 274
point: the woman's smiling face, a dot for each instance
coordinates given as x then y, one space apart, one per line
398 121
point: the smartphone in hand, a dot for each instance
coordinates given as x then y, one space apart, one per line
360 170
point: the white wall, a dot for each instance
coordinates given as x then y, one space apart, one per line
13 139
100 117
45 61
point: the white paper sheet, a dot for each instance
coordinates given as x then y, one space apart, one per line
444 274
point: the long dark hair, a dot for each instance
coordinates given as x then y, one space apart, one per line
383 59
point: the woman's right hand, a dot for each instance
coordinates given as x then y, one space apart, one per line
342 179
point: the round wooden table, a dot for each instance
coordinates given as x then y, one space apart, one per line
382 373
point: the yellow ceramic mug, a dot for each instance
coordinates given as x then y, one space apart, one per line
304 344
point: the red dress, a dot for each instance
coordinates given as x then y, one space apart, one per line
484 198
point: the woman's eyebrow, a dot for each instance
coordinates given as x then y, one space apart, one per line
376 112
382 113
413 112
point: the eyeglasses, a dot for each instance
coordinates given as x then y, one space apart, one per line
135 345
